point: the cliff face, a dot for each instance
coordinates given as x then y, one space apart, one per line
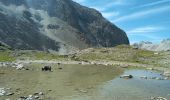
56 24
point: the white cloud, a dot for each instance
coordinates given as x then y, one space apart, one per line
110 14
13 10
120 2
111 4
153 3
105 4
142 14
146 29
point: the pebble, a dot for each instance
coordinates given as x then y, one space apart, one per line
166 73
158 98
2 91
149 68
8 88
153 77
36 97
49 90
166 78
158 78
143 77
36 93
18 66
83 91
41 93
9 94
127 76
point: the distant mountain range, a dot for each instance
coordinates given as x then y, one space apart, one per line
163 46
59 25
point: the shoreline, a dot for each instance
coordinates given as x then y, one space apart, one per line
105 63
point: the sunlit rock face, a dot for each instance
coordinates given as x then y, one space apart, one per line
60 25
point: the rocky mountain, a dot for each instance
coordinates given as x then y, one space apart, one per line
163 46
60 25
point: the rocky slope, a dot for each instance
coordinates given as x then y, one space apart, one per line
60 25
163 46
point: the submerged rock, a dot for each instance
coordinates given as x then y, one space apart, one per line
127 76
143 77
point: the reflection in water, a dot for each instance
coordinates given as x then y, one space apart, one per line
133 89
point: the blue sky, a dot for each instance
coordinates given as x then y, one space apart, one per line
142 20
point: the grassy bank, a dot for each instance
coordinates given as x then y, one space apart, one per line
122 53
125 53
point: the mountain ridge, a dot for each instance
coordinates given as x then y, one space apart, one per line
66 25
164 45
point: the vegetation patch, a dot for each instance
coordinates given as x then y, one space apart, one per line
6 56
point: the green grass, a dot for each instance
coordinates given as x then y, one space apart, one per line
123 53
6 56
48 56
38 55
119 53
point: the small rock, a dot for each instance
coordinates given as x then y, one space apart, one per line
60 68
124 66
2 91
23 97
166 73
9 94
143 77
8 88
153 78
166 78
49 90
41 93
36 97
156 53
158 98
36 93
19 66
149 68
158 78
127 76
30 96
83 91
